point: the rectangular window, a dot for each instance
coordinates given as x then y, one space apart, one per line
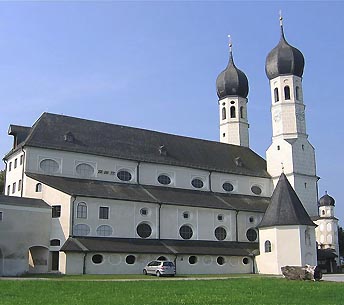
14 187
19 185
15 162
0 216
56 211
21 159
103 213
10 166
8 189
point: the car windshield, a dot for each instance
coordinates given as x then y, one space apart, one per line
169 264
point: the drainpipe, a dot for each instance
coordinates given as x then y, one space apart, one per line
24 163
236 226
159 220
5 186
138 172
72 218
210 181
84 264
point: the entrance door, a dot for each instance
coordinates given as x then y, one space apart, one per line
55 260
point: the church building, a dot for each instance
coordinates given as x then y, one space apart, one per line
87 197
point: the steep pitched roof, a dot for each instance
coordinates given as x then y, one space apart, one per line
79 135
285 207
153 194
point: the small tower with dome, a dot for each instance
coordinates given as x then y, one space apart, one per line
232 91
290 146
327 234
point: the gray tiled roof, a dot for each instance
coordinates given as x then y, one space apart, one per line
25 202
118 141
154 194
285 207
164 246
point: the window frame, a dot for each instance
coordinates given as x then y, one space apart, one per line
101 232
127 174
81 210
267 246
186 234
80 170
56 211
220 236
161 179
49 171
101 211
194 183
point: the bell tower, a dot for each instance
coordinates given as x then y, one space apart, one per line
232 90
290 149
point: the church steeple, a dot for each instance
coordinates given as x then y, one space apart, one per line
232 90
290 145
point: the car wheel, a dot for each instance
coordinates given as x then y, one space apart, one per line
144 272
158 274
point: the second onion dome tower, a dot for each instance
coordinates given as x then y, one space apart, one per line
232 90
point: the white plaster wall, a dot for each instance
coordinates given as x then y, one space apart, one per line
15 174
267 261
20 229
244 224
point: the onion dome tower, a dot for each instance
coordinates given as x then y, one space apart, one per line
290 146
232 90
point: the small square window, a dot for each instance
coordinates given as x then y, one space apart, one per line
144 211
21 159
103 213
186 215
56 211
220 217
1 216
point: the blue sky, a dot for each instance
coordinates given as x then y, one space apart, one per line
154 64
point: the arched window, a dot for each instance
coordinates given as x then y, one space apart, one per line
232 112
287 92
267 246
38 187
297 93
276 95
242 115
223 113
81 210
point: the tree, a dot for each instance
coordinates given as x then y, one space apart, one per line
2 181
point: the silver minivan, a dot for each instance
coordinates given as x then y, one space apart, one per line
160 268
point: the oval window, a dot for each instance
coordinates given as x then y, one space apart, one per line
97 259
245 261
220 260
84 170
220 233
256 190
164 179
81 230
185 232
124 175
251 234
228 187
130 259
49 166
144 230
197 183
104 230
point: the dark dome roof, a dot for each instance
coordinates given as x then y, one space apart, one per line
284 59
231 81
326 200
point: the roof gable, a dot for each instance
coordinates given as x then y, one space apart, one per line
285 207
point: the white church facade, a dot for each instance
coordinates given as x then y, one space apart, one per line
89 197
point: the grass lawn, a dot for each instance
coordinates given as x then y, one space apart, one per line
254 290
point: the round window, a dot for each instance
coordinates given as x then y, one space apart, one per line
185 232
256 190
97 259
245 261
124 175
130 259
220 233
144 230
228 187
164 179
220 260
197 183
84 170
144 211
192 260
49 166
251 234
